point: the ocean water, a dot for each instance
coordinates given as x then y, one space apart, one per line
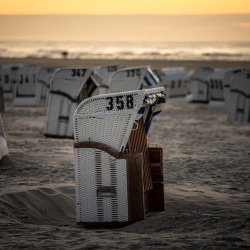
231 51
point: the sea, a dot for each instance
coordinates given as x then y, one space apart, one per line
231 51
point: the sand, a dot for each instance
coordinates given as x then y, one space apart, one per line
206 181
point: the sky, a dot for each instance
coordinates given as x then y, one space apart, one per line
121 7
130 20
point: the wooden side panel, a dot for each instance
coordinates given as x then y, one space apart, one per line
156 195
137 143
135 189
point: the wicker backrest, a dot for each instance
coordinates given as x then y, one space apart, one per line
69 81
68 87
3 144
128 79
239 99
109 119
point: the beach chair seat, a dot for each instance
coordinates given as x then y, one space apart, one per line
69 86
26 86
112 164
3 144
198 87
239 99
175 81
133 78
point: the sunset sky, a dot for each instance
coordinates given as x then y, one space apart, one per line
130 20
117 7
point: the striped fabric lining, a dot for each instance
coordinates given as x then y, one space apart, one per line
150 79
152 106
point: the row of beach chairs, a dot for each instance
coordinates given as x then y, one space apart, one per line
228 87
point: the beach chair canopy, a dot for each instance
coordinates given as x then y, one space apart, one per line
101 77
26 81
239 98
128 79
69 82
45 74
200 73
109 118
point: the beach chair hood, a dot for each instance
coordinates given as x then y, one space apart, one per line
69 82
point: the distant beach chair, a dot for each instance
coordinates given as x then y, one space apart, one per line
175 81
198 87
26 86
118 177
239 98
215 81
127 79
3 144
8 75
101 76
69 86
227 84
43 85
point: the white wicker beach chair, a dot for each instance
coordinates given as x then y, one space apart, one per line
8 75
110 167
127 79
227 84
198 87
68 88
3 144
26 86
43 85
101 76
239 99
175 81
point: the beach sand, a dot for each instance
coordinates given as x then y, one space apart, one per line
206 179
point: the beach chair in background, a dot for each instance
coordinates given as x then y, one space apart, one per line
239 98
198 87
118 177
215 81
68 88
26 86
3 144
127 79
227 84
8 77
101 76
175 82
43 85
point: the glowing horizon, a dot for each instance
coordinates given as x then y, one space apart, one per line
128 7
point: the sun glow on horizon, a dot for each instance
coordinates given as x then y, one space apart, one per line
128 7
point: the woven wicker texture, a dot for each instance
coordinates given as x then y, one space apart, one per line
135 78
70 81
239 98
93 169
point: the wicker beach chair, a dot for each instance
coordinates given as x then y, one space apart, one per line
43 85
175 81
127 79
227 84
3 144
239 98
68 88
26 86
8 75
101 76
113 177
198 87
